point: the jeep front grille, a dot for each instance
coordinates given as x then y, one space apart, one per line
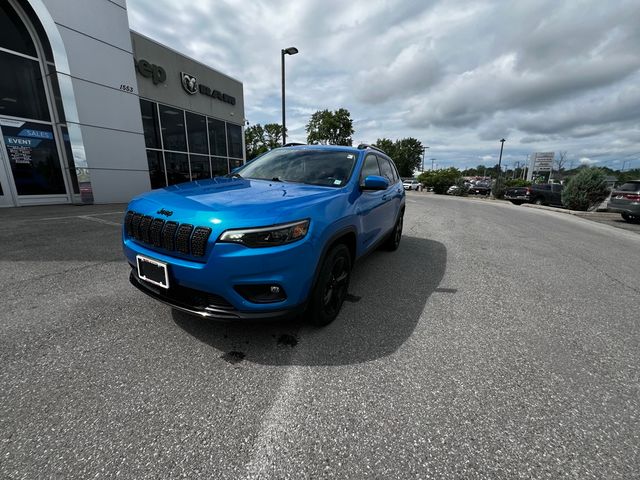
172 236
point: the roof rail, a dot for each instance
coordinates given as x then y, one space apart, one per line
364 146
293 144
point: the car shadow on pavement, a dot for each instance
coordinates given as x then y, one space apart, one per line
388 293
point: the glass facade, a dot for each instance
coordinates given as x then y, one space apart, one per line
184 146
33 136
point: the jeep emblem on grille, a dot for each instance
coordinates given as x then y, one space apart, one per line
166 213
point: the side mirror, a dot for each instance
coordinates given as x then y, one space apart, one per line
375 182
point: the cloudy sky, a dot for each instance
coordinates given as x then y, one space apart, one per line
457 75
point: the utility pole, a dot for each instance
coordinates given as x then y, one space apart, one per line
424 149
432 161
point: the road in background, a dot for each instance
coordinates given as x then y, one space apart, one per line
497 342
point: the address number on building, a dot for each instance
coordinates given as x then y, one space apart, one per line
126 88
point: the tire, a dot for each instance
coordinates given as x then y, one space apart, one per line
538 201
393 242
516 202
331 286
630 218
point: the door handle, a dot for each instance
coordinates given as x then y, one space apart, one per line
384 197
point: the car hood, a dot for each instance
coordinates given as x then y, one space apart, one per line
231 201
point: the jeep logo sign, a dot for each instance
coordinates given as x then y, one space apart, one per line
149 70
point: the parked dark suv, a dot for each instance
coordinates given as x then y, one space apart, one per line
543 194
625 200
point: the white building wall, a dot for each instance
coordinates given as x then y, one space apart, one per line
97 42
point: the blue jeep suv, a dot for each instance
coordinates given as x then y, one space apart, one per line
277 236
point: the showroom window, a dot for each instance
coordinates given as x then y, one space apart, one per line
184 146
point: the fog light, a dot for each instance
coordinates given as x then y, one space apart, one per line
261 293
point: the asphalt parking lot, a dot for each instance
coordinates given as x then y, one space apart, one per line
497 342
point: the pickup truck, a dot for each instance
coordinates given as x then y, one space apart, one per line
542 194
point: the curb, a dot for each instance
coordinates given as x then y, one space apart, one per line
577 213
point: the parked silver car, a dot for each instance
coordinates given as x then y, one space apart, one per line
625 200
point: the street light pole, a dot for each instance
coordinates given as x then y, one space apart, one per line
432 161
500 159
287 51
424 149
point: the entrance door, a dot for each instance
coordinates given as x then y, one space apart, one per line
30 159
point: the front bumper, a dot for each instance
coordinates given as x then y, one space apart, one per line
200 304
226 269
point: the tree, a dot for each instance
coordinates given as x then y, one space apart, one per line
273 135
407 156
254 141
387 146
585 190
259 139
406 153
561 160
330 128
440 180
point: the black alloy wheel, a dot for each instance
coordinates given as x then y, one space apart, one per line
332 286
393 242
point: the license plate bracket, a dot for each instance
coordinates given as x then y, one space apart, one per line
153 271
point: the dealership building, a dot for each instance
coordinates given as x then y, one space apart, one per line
91 112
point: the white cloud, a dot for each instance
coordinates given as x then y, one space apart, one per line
545 75
587 161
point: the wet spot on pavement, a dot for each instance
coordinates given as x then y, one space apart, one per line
352 298
287 340
233 357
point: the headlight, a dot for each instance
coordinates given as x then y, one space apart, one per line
267 236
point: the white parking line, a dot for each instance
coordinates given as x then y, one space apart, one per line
81 216
99 220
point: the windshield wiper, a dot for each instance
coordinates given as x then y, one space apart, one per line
233 175
276 179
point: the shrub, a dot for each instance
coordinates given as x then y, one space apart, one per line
585 190
440 180
462 190
517 182
498 188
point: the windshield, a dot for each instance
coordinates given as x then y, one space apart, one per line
315 167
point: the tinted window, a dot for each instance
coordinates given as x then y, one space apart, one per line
219 166
21 88
172 121
217 137
629 187
234 133
315 167
150 124
13 34
370 167
199 167
385 169
197 133
177 167
156 169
